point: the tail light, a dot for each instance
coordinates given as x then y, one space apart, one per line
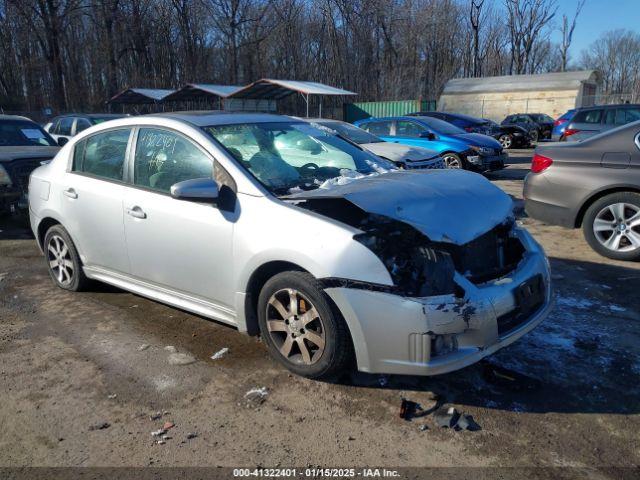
560 121
540 163
570 131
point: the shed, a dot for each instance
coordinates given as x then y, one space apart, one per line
497 97
272 90
140 96
201 93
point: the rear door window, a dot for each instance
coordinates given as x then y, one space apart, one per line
103 154
164 158
378 128
82 124
65 126
588 116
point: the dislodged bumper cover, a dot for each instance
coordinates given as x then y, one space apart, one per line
445 205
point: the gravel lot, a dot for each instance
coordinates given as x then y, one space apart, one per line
73 363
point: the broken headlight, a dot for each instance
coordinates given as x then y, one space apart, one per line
417 268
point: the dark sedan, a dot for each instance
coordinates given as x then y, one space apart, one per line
593 184
23 146
539 125
509 136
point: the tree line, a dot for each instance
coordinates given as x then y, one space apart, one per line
75 54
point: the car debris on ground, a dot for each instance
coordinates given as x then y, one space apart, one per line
449 417
220 354
409 409
256 396
181 359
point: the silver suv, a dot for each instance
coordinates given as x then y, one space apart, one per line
275 227
588 122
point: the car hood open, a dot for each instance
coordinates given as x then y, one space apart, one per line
397 152
445 205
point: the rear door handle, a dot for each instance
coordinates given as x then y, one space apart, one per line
136 212
70 192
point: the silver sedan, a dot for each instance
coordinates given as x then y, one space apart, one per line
280 229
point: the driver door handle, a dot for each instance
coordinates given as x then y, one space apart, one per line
136 212
70 192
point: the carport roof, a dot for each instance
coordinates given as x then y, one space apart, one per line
511 83
195 91
141 95
268 88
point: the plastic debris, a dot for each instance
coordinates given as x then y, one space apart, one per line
166 437
170 348
161 442
423 427
112 396
409 409
181 359
168 425
256 396
100 426
220 354
446 417
466 422
158 433
143 347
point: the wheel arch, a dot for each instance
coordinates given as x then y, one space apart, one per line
44 225
597 196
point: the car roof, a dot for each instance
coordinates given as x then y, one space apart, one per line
91 115
14 117
606 107
216 117
323 120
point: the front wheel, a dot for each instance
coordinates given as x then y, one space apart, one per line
452 160
63 261
506 140
611 226
301 327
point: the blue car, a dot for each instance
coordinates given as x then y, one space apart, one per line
459 149
560 124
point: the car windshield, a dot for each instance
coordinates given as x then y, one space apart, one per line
97 120
23 133
350 132
288 155
440 126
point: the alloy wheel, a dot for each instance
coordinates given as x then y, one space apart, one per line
506 141
60 261
452 162
617 227
295 327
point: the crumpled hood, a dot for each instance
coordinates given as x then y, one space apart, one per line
453 206
7 154
397 152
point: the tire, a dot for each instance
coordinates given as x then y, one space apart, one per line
61 256
506 140
452 160
534 135
289 331
619 240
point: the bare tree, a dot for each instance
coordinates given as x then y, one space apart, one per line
474 18
567 34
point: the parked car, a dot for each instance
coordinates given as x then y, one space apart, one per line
237 218
593 184
560 125
509 136
64 127
588 122
539 125
24 145
459 149
402 156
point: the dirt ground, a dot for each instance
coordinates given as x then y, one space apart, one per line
72 363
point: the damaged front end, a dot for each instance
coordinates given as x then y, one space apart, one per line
453 300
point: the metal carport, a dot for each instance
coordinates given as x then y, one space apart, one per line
199 92
140 96
270 89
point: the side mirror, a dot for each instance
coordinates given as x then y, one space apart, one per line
62 141
197 190
428 135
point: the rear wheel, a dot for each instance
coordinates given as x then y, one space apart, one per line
611 226
63 261
534 135
506 140
452 160
301 327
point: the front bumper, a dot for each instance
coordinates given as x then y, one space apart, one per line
487 163
393 334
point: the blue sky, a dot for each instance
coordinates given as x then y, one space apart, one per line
597 17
